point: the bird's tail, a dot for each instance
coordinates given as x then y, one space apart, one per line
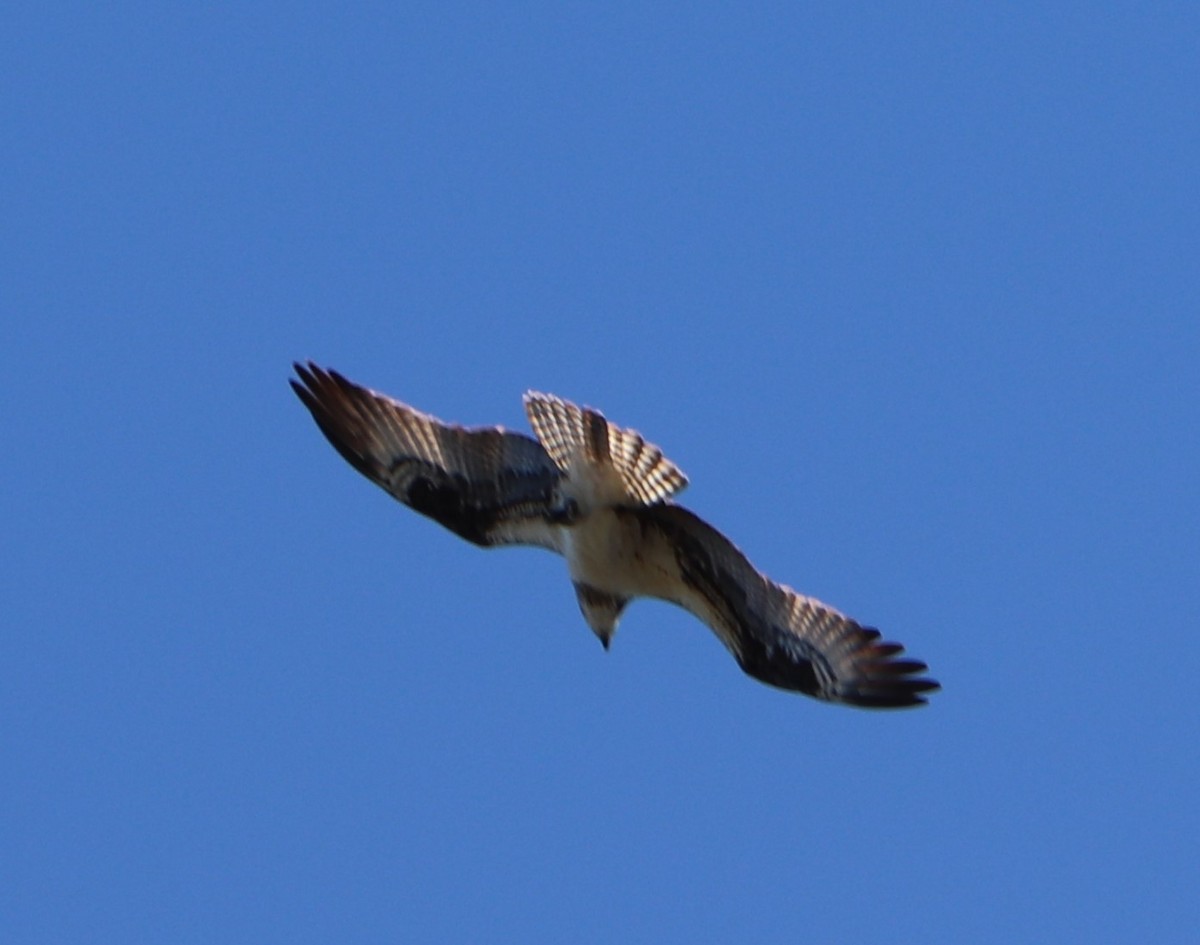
581 442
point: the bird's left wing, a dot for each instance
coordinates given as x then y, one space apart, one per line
490 486
777 635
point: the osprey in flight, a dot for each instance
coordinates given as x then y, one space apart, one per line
600 496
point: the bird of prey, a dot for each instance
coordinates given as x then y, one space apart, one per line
601 496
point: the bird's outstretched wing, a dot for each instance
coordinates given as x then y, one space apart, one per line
777 635
489 485
613 465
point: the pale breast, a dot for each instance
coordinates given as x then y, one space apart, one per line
609 550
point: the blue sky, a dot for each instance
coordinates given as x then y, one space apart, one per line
912 297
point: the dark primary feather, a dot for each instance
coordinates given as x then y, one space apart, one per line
777 635
488 485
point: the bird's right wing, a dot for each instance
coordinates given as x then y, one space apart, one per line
777 635
488 485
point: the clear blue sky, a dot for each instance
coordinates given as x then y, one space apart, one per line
912 297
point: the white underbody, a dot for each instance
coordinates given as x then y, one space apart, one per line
614 554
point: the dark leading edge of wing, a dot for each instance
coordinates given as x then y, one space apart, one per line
779 636
488 485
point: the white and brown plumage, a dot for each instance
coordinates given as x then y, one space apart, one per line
601 496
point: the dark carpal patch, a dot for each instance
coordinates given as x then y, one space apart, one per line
472 509
444 503
765 663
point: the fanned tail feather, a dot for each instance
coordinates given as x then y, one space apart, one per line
577 438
